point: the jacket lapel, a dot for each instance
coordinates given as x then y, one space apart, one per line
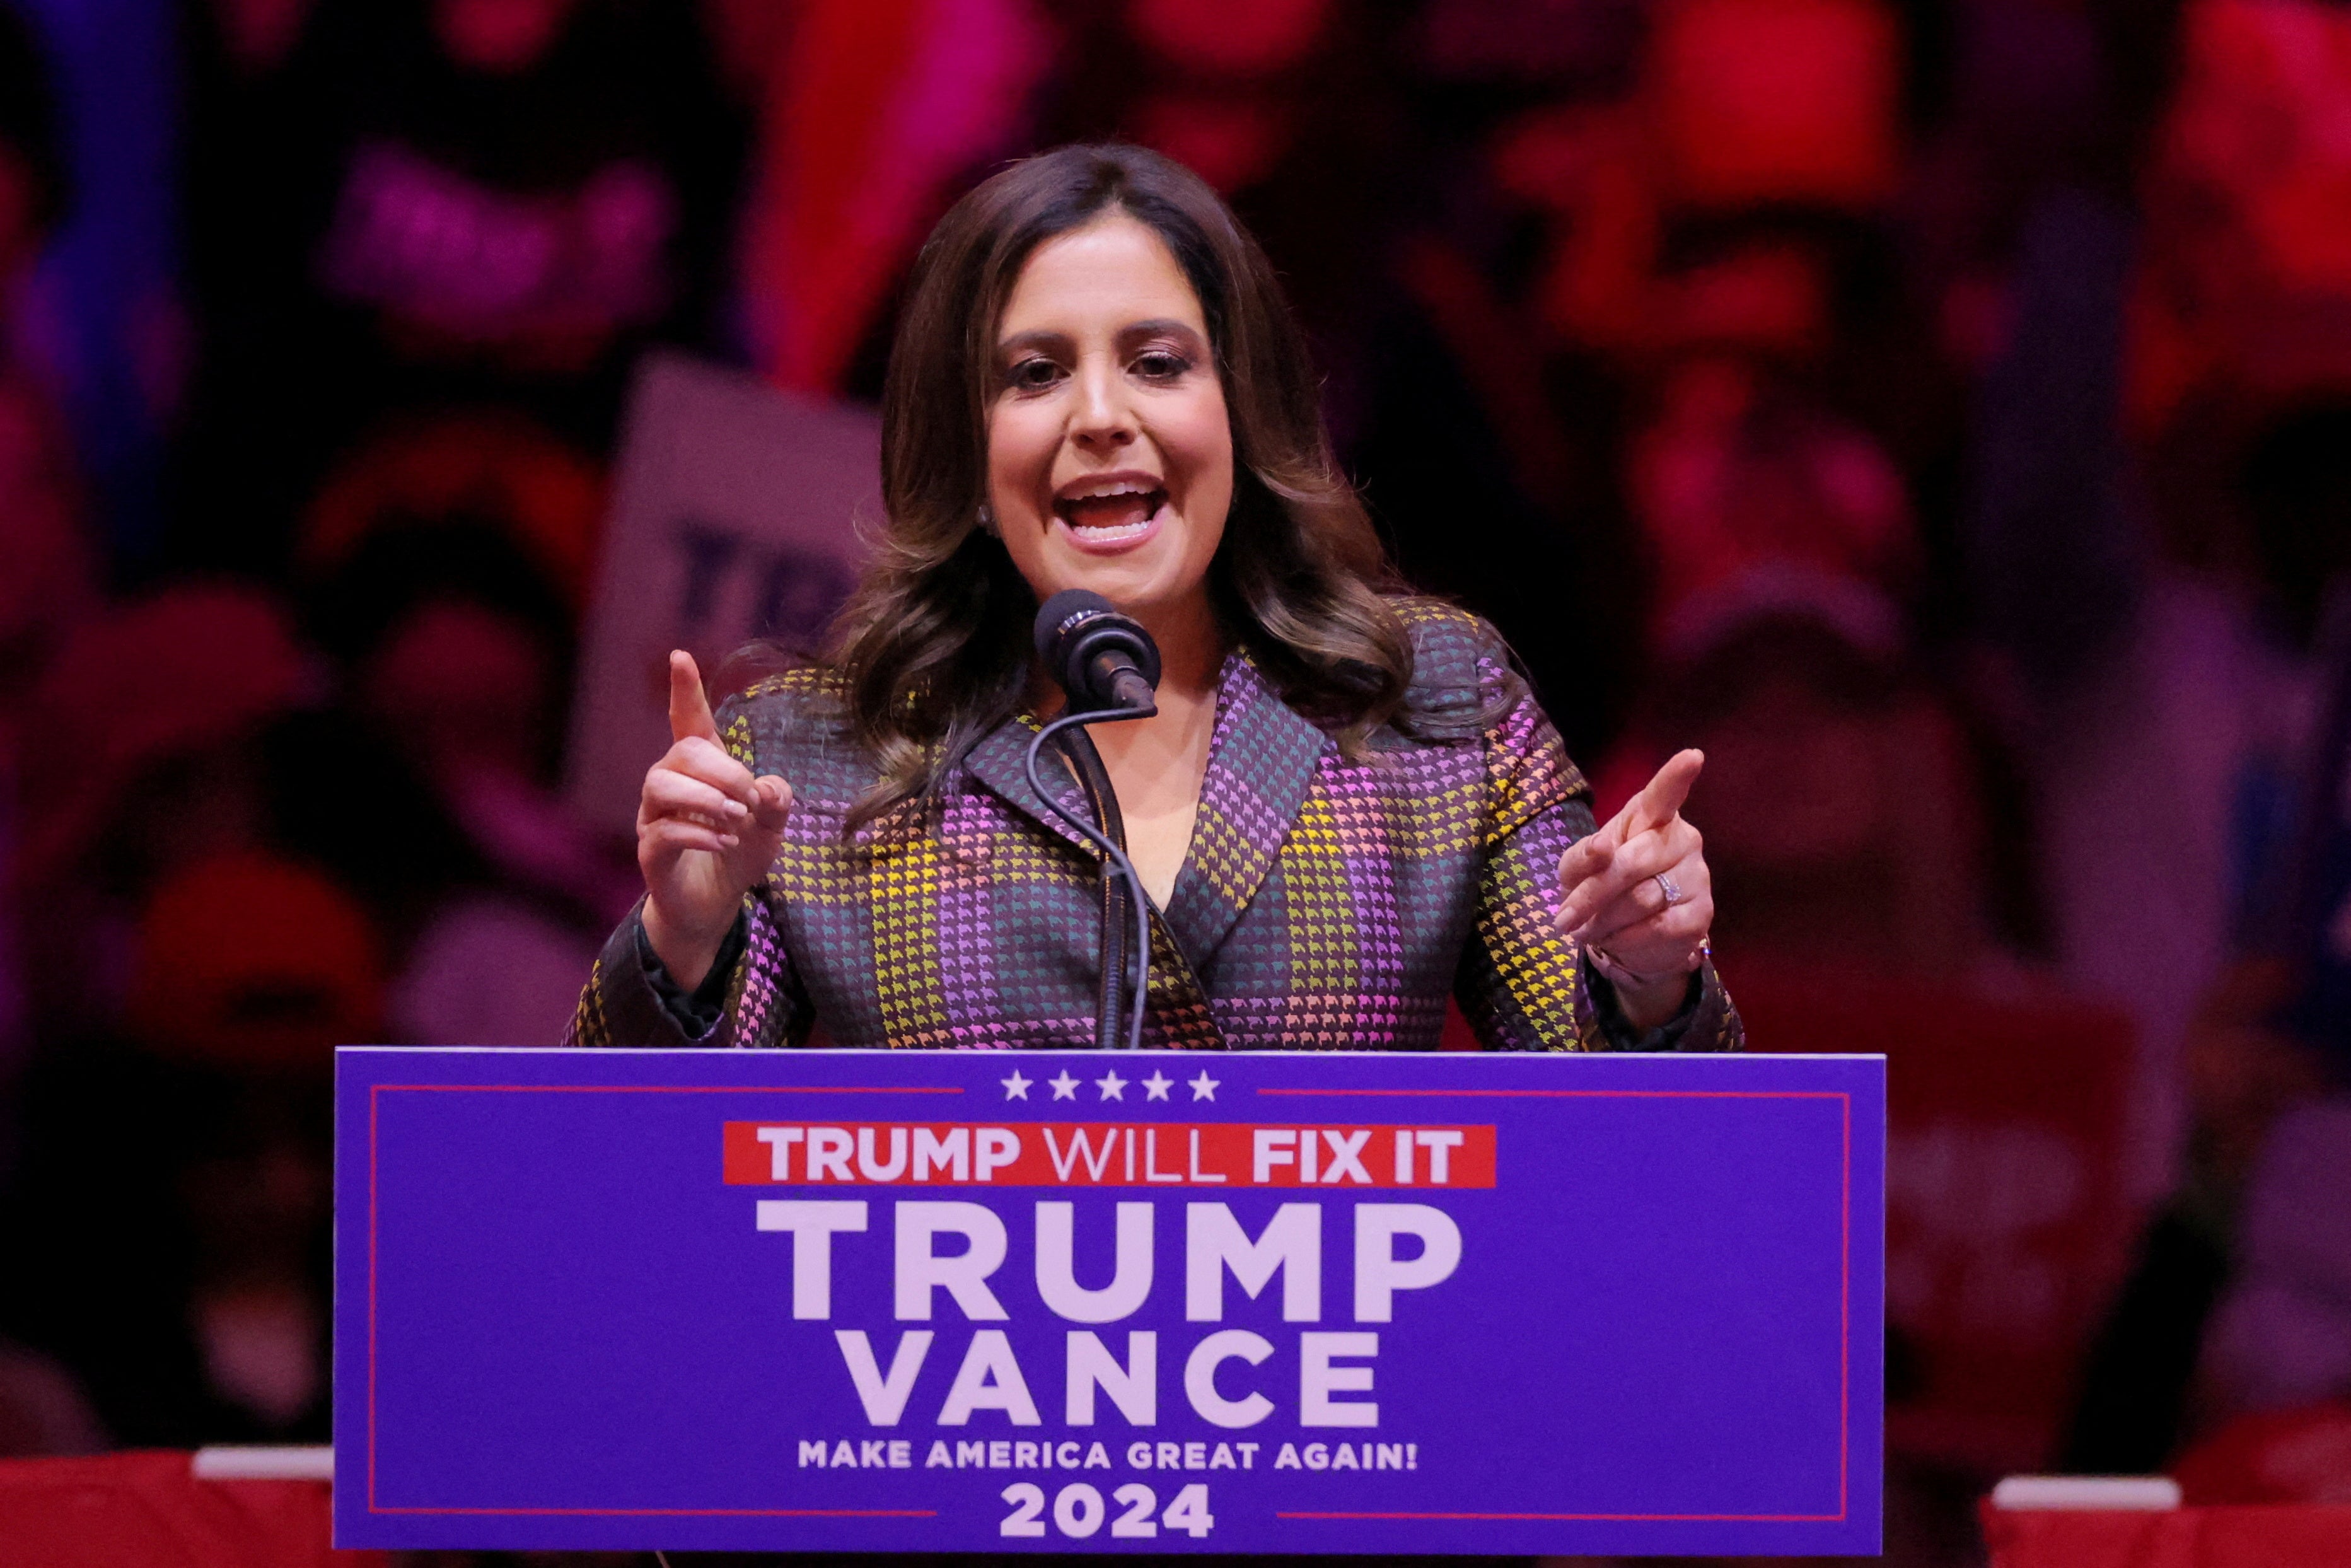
1261 760
999 762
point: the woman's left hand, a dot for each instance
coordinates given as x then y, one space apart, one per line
1636 896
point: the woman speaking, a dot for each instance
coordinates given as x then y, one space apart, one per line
1347 807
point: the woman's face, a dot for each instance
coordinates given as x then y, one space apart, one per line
1109 459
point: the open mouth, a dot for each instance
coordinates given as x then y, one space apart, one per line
1113 517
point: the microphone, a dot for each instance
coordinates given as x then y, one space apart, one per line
1110 668
1103 660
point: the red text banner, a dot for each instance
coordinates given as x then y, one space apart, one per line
1106 1154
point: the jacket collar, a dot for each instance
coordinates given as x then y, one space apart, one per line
1261 759
999 761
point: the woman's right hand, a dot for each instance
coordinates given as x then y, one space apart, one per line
706 832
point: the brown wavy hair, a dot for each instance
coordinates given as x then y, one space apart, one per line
934 648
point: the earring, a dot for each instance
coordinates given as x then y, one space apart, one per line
987 519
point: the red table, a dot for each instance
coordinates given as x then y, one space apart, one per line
2271 1536
145 1509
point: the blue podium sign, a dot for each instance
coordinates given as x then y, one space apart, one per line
1066 1300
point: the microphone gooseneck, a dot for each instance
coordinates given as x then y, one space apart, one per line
1120 876
1108 666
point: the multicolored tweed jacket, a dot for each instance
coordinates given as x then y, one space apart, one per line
1323 903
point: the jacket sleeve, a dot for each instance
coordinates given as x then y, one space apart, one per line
630 1001
1522 985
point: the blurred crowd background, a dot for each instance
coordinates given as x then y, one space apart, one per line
1939 411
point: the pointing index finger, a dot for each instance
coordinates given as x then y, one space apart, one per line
1661 798
689 706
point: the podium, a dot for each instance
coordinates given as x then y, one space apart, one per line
1073 1300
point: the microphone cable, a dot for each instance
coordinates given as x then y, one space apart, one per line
1111 854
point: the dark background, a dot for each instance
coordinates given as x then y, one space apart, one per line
1939 411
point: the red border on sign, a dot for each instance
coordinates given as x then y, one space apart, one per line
1845 1286
1844 1391
375 1090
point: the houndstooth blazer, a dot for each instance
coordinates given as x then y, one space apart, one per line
1323 902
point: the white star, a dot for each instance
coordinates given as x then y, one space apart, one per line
1204 1087
1155 1087
1064 1087
1112 1085
1015 1087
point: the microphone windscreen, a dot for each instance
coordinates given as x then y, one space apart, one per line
1085 642
1062 614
